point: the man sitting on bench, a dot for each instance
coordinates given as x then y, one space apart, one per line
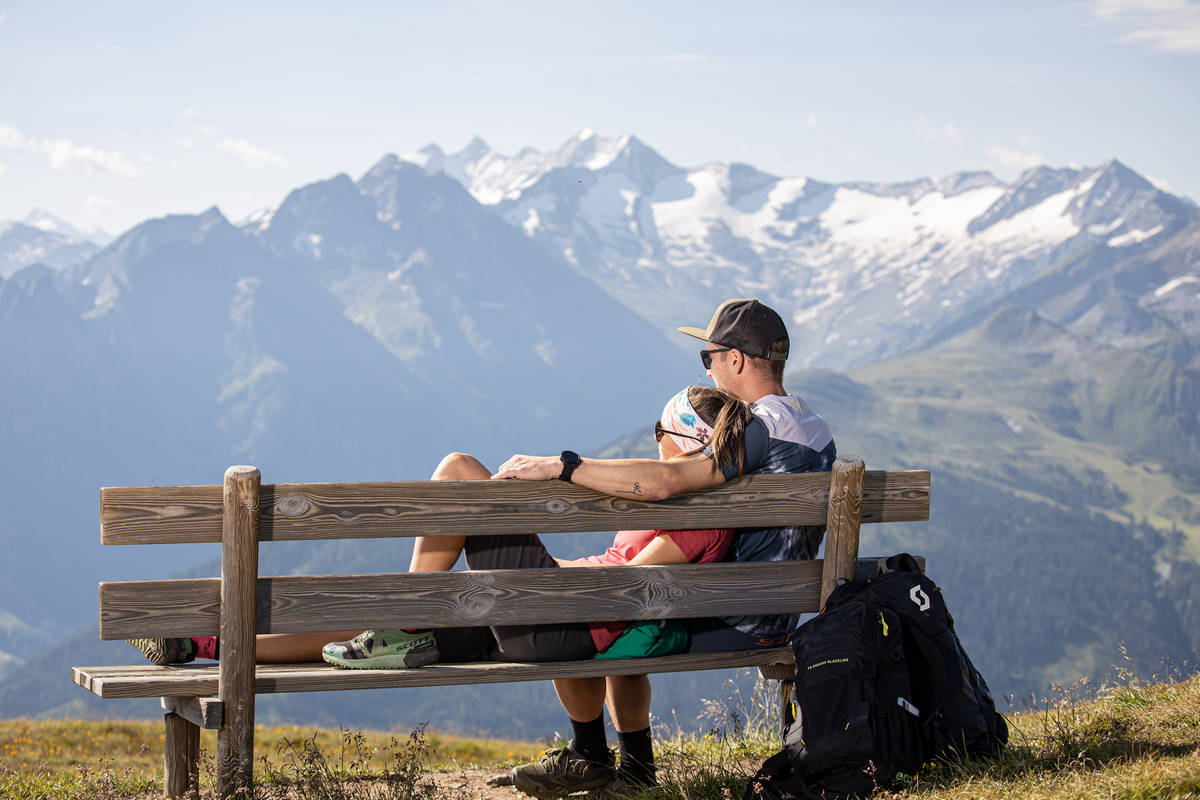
746 346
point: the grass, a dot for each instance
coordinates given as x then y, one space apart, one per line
1133 741
98 760
1127 739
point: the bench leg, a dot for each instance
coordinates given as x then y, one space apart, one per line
181 758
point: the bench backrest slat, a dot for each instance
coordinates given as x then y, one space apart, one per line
293 604
306 511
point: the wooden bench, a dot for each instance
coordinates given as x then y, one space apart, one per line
244 512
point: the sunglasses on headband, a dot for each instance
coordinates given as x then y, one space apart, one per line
706 355
660 432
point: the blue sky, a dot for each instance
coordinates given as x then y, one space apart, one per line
112 113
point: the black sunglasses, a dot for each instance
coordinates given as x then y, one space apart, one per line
660 431
706 355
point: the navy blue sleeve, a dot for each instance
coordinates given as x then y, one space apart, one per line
756 450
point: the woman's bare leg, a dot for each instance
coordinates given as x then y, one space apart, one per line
439 553
430 554
286 648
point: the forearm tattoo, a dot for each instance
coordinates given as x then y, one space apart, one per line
637 488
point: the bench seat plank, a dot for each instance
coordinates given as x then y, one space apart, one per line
306 511
191 680
296 604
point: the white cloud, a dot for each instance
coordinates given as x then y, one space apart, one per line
685 57
3 169
811 119
3 16
1014 156
250 155
11 138
65 154
1166 25
97 202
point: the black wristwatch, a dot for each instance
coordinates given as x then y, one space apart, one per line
570 461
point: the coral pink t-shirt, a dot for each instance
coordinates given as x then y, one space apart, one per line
700 547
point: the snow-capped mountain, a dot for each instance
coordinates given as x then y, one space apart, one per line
492 177
464 299
45 221
42 238
860 270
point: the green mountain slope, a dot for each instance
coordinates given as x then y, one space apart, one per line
1064 518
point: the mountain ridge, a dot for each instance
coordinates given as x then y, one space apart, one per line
810 247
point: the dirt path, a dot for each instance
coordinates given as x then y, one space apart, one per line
472 784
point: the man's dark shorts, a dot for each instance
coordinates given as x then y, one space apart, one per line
558 642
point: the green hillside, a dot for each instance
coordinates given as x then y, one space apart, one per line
1056 530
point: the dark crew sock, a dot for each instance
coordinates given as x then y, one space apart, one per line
589 740
637 757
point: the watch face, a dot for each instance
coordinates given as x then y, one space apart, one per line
570 460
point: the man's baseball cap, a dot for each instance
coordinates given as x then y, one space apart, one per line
747 325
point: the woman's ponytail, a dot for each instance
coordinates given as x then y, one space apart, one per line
728 417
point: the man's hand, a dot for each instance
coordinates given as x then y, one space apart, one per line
530 468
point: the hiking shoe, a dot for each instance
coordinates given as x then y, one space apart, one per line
166 651
383 649
561 772
618 789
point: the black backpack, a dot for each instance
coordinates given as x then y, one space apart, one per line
882 686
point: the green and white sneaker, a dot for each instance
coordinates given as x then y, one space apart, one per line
384 649
166 651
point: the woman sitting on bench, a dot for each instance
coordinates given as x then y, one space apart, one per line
695 420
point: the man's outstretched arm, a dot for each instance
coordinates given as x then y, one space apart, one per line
635 478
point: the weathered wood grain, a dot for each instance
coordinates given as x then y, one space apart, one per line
294 604
239 583
181 757
179 607
191 680
777 672
206 713
842 523
302 511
